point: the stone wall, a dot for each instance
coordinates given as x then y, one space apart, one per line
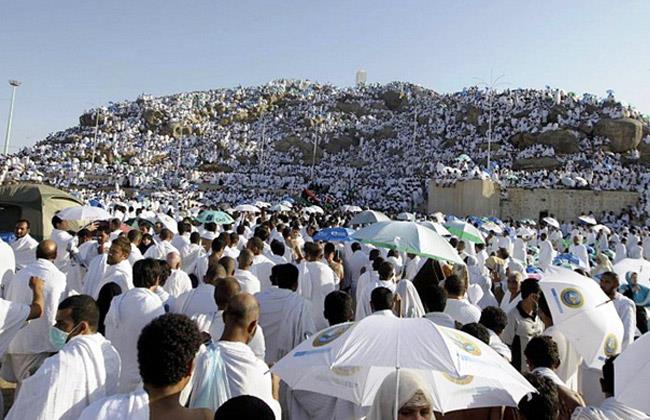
483 198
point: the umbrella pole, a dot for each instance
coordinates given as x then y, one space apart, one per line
396 410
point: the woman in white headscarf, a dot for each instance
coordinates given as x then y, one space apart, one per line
413 398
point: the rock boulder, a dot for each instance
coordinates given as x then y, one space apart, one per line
533 164
624 134
563 141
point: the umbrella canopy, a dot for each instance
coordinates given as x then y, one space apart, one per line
247 208
551 222
567 260
279 207
351 209
262 204
588 220
465 231
598 228
491 226
633 265
409 217
631 373
436 227
215 216
583 313
369 216
86 213
360 355
168 222
408 237
334 234
313 210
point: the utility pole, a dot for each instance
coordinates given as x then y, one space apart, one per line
92 161
14 84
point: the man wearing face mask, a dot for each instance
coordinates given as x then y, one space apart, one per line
30 347
85 369
241 372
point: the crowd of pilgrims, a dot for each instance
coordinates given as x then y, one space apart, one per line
238 143
120 320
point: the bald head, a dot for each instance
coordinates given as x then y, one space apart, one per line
174 260
241 312
46 250
245 259
229 264
225 290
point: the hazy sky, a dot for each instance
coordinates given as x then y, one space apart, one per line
72 55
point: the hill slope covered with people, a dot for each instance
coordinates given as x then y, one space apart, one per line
373 145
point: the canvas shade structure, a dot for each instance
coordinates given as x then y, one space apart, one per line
86 213
465 231
408 237
631 373
34 202
351 360
583 313
215 216
367 217
633 265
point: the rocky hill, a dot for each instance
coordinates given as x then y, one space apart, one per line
369 144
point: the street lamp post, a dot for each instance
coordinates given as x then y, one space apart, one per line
92 160
490 86
14 84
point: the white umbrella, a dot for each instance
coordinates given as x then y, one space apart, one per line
406 216
583 313
168 222
86 213
633 265
408 237
588 220
436 227
604 228
286 203
280 207
551 222
350 361
465 231
313 210
351 209
631 374
369 216
247 208
491 226
262 204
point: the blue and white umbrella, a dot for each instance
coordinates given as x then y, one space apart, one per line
336 234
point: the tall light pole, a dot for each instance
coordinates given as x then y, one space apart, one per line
490 86
92 161
14 84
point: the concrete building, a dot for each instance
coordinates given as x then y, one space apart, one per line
485 198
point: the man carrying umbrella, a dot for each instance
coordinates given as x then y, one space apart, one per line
625 308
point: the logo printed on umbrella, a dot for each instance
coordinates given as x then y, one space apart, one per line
345 371
611 345
572 298
465 344
460 380
330 335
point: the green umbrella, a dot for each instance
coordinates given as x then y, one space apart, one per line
465 231
215 216
408 237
